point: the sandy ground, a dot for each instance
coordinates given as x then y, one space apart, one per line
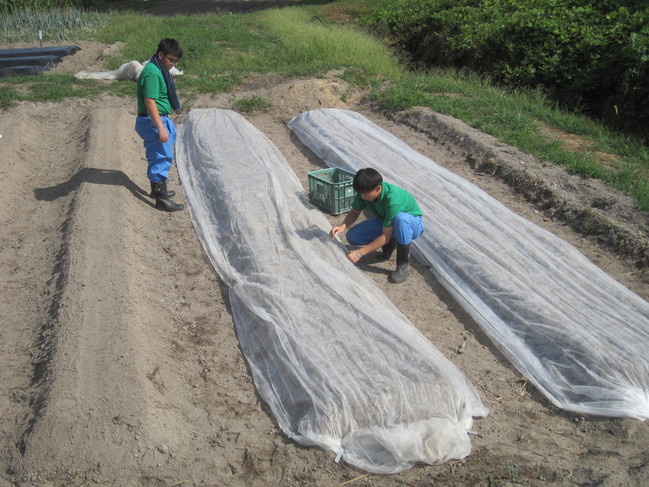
119 358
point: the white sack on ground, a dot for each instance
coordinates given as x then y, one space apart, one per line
577 334
127 71
340 367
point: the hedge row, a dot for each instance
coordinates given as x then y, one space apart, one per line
591 55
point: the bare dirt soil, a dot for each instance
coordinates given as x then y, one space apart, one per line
119 358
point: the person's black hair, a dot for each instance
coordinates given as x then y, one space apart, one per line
170 46
367 179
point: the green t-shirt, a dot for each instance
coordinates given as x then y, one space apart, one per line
152 85
393 200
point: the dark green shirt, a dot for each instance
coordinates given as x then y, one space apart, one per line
393 200
152 85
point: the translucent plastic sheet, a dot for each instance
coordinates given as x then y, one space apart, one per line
339 366
577 334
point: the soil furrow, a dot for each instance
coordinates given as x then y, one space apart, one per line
33 251
87 369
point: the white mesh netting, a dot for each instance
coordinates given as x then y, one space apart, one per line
338 364
576 333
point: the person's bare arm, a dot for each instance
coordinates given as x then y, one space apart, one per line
349 220
355 255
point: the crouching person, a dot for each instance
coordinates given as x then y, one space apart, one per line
396 223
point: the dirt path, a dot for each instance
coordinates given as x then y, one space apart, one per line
120 364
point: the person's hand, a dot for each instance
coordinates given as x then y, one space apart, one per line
354 256
163 136
336 230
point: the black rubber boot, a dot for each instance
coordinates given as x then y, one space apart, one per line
162 201
403 264
167 205
158 191
387 250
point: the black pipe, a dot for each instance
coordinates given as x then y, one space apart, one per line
59 51
49 60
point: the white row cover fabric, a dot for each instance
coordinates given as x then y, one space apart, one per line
580 336
127 71
339 366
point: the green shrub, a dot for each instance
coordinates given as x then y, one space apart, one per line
585 54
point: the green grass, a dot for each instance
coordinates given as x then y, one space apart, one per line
221 50
305 39
252 104
515 119
288 41
46 88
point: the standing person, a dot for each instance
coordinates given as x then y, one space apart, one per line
397 221
156 100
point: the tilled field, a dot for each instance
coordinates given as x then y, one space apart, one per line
120 363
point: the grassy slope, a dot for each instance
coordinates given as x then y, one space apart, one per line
221 49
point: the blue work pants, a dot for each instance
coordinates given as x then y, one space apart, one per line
406 228
159 155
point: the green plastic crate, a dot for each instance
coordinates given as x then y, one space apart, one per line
332 189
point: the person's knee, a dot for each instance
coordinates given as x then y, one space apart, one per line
364 232
353 236
406 228
400 219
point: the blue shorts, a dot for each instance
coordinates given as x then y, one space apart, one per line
406 228
159 155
